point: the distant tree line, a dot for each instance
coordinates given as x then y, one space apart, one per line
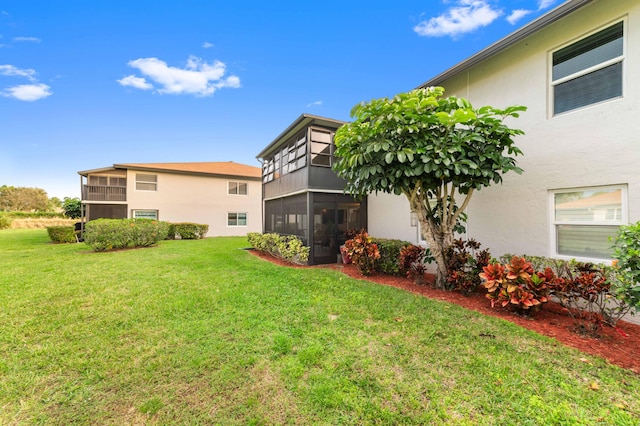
24 199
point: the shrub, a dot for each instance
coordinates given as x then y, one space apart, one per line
389 255
584 290
516 285
286 247
187 231
110 234
363 252
411 262
147 232
589 292
267 243
62 234
626 254
291 249
5 221
465 262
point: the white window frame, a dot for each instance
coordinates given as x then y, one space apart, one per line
624 201
139 180
135 211
237 183
246 220
609 62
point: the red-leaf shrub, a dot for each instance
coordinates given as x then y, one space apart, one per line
516 285
363 252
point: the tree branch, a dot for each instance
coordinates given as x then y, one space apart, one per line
463 206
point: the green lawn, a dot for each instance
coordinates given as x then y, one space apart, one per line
201 332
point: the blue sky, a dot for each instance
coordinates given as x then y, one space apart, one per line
88 84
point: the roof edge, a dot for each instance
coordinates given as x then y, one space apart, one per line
301 121
502 44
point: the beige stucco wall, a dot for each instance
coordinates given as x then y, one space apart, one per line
592 146
199 199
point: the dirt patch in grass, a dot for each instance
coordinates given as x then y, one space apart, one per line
620 345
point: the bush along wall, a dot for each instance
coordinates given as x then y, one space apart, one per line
187 231
62 234
591 293
286 247
111 234
389 255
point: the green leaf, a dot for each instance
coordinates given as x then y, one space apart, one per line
389 157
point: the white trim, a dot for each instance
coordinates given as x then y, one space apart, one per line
553 223
619 59
135 182
133 213
238 182
246 219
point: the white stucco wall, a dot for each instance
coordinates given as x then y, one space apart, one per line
199 199
389 216
592 146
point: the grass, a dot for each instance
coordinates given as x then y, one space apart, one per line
199 332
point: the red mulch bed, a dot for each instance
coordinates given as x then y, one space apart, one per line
620 347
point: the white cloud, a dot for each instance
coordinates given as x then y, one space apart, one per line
466 16
316 103
207 45
516 15
10 70
30 39
197 78
28 92
137 82
4 13
543 4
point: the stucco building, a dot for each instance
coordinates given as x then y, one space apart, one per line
224 195
575 69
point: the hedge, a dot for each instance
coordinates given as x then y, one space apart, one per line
187 231
285 247
62 234
110 234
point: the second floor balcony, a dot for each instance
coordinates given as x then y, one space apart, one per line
104 193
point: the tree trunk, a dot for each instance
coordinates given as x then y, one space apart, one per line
438 240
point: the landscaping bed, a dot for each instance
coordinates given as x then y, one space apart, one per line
620 346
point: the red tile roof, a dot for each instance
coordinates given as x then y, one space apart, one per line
228 168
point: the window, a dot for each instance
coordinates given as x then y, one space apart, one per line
589 70
236 219
146 182
97 180
320 148
291 156
145 214
585 218
237 188
268 170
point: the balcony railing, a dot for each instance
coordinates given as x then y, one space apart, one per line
104 193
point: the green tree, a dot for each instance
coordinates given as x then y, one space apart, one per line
54 204
23 199
436 151
72 207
